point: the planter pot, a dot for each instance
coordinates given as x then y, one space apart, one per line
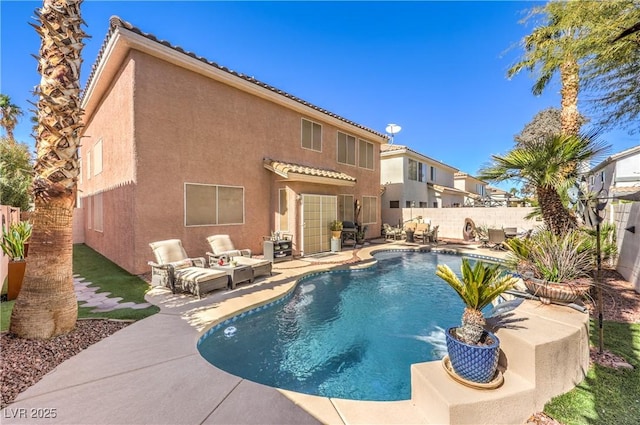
335 234
474 363
15 277
552 292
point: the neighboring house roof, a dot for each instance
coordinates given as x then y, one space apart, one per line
460 175
391 149
615 157
450 190
629 193
116 24
297 172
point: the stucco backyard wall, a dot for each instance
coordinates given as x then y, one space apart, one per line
451 220
625 216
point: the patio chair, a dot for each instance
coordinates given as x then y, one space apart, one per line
410 227
422 232
496 238
222 246
391 232
175 270
432 235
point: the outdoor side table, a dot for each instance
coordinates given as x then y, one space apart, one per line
236 274
409 236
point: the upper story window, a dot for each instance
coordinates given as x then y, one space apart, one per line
346 149
365 154
480 189
433 174
97 158
417 171
394 204
602 176
311 135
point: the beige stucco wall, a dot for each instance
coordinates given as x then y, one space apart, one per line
451 220
188 128
117 182
625 216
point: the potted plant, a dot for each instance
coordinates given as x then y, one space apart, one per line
472 350
553 268
13 245
360 234
336 229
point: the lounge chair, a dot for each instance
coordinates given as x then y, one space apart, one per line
222 246
175 270
422 232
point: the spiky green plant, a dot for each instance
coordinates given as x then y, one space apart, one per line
551 257
480 285
14 238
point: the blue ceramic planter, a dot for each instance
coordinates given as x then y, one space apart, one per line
476 363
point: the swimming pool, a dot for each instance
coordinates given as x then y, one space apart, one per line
346 334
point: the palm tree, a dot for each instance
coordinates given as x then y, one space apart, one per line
47 305
550 167
9 114
480 285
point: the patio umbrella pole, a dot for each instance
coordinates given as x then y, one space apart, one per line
599 289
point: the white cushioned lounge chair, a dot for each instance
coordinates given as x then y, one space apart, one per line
222 246
175 270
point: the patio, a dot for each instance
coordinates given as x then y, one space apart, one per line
96 385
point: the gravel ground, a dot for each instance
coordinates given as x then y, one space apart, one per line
25 362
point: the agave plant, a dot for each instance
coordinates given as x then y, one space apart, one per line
550 257
13 240
480 285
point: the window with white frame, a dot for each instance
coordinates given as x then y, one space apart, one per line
311 135
207 205
413 170
480 189
283 211
369 209
365 154
346 149
89 213
422 172
346 207
433 174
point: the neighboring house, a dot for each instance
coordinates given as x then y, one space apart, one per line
619 175
176 146
497 197
477 189
412 180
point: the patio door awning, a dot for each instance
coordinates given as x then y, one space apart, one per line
303 173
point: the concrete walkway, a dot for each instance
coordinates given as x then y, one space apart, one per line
151 372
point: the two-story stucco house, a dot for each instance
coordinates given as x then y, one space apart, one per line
619 175
176 146
476 189
412 180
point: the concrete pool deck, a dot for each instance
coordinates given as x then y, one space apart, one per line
151 372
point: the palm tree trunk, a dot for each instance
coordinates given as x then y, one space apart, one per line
47 305
569 115
554 214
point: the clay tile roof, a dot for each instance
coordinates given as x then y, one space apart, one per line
116 22
284 168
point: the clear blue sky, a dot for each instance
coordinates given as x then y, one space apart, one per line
438 69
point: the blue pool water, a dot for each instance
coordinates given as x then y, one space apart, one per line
349 334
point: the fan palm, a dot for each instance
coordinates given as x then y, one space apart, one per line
479 286
9 114
550 166
47 305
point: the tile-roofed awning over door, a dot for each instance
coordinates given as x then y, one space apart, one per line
304 173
